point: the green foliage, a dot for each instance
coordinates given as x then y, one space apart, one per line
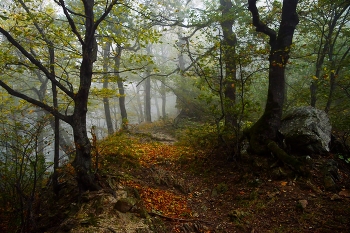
118 151
198 135
344 157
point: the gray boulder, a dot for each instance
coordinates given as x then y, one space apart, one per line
306 130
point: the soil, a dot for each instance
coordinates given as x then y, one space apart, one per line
183 189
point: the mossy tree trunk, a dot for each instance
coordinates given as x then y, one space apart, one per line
265 129
229 54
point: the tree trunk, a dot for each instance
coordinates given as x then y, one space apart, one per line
66 144
157 107
229 53
82 161
123 113
328 40
181 43
106 53
265 129
86 38
148 116
139 105
163 95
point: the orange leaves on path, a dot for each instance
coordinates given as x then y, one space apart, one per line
161 201
154 153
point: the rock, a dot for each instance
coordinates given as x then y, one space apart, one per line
331 168
125 204
330 175
306 130
329 183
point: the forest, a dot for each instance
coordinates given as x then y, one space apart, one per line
174 116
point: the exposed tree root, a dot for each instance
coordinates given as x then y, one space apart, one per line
287 159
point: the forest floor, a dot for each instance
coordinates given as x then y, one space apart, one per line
184 189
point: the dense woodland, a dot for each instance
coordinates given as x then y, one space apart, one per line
83 80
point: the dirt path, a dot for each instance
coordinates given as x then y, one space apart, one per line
182 189
245 196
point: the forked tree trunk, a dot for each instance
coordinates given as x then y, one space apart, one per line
265 129
82 161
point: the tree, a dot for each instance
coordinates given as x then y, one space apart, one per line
229 57
106 53
329 27
85 37
148 117
265 129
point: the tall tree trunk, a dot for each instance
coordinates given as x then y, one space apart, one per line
180 44
163 95
82 161
139 104
328 40
56 160
148 116
229 53
123 113
162 90
106 53
265 129
157 107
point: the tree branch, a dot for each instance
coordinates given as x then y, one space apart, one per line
104 15
35 62
70 20
259 25
38 103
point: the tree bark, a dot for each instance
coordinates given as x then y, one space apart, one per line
229 52
265 129
163 95
139 104
148 116
106 106
120 83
